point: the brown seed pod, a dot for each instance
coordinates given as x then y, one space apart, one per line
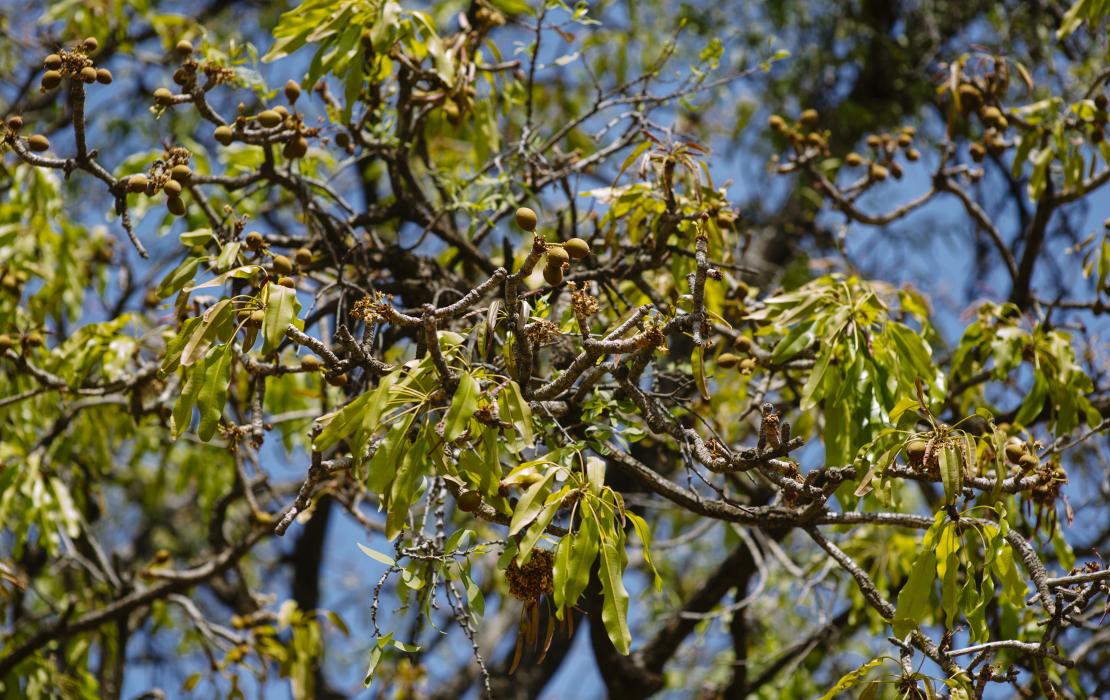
311 363
343 139
878 172
742 343
728 360
470 501
176 205
287 282
302 256
103 76
280 109
777 123
282 265
163 97
88 74
526 219
172 188
295 148
269 118
90 44
137 183
853 159
978 152
223 134
255 240
292 91
577 248
912 154
33 339
184 48
15 122
51 79
337 380
556 255
181 173
38 143
52 62
1029 462
553 274
809 117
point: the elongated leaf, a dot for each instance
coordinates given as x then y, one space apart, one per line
851 679
376 555
530 503
463 405
614 606
213 395
281 310
183 409
697 361
913 599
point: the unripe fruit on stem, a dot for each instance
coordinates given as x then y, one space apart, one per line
52 62
223 134
6 342
1015 449
172 188
915 451
257 317
51 79
728 360
337 380
176 205
163 97
90 44
896 171
913 154
184 48
287 282
38 143
878 172
269 118
743 343
905 140
526 219
137 183
282 265
295 148
977 151
342 139
777 123
255 241
181 76
303 256
292 91
1029 462
553 274
311 363
33 339
577 248
747 365
990 115
280 109
470 501
809 117
557 256
181 173
853 159
104 76
874 141
88 74
15 122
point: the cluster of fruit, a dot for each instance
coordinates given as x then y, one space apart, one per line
296 145
558 255
884 148
746 365
31 339
164 177
281 266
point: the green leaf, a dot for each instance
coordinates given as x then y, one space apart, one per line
950 473
213 395
697 362
614 606
376 555
343 422
644 533
518 411
798 339
463 405
851 679
1034 400
530 503
183 409
281 310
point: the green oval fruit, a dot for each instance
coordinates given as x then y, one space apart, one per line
915 451
223 134
38 143
33 339
182 76
853 159
282 265
6 342
90 44
181 173
163 97
343 139
296 148
337 380
52 62
526 219
809 117
51 79
104 76
176 205
553 274
292 91
172 188
311 363
1015 449
257 317
470 501
269 118
577 248
1029 462
302 256
255 241
184 48
88 74
747 365
287 282
557 256
137 183
743 343
728 360
878 172
280 109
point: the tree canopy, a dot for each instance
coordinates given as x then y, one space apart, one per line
396 349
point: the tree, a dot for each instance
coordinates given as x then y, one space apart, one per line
459 297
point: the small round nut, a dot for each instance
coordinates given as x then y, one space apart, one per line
853 159
742 343
470 501
295 148
137 183
577 248
728 360
257 317
15 122
51 79
103 76
553 274
88 74
90 44
255 240
282 265
302 256
285 281
337 380
184 48
181 173
292 91
269 118
176 205
311 363
38 143
223 134
52 62
163 97
526 219
556 255
172 188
